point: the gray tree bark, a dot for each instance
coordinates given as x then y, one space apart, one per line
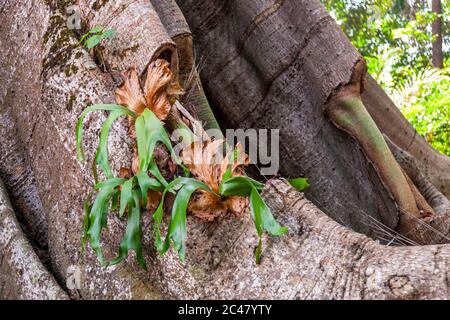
45 86
22 274
276 64
263 70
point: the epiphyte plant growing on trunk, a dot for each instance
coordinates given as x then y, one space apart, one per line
207 190
92 40
96 35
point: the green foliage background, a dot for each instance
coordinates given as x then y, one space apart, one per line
395 38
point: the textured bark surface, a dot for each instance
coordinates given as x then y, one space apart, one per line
347 111
21 184
141 36
317 259
194 100
273 64
415 171
393 124
440 221
22 275
45 62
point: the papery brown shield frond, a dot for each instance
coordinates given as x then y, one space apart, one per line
204 160
153 200
159 88
174 90
207 206
237 205
129 93
135 163
238 164
125 173
161 107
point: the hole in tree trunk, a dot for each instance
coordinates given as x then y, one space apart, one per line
166 55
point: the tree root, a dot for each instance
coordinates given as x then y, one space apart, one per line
141 37
419 220
434 228
347 111
313 261
424 208
414 169
22 275
434 166
195 99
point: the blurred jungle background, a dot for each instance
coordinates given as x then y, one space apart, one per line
406 44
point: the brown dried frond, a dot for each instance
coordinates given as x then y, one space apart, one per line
135 162
129 93
159 88
153 200
125 173
237 205
158 92
207 206
206 162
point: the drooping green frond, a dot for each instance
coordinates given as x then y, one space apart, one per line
102 155
87 207
239 186
129 195
133 234
126 195
177 227
146 183
184 188
261 214
97 107
98 215
149 131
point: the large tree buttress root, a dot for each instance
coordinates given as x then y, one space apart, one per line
434 165
347 111
22 275
418 218
273 64
284 81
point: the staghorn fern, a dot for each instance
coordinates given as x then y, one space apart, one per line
129 195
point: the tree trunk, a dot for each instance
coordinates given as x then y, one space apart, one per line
46 85
438 56
278 64
266 70
22 274
389 119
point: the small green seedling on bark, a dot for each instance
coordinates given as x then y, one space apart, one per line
300 184
93 39
96 35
